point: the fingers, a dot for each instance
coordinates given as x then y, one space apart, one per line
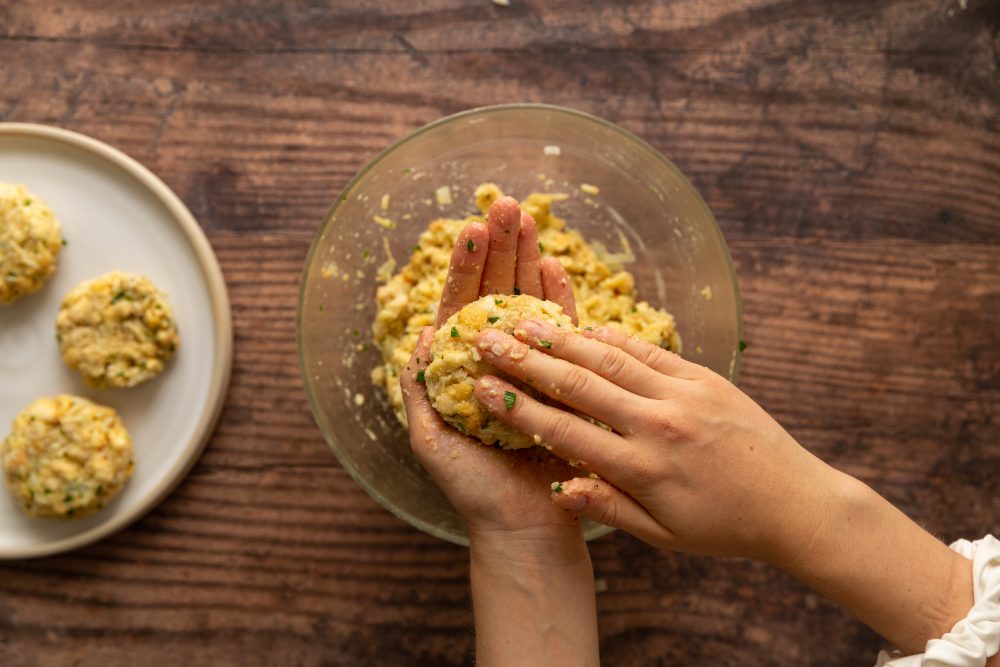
528 277
607 361
468 260
420 414
567 383
503 221
571 438
557 287
599 501
655 357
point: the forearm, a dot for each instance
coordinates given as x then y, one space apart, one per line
878 564
534 601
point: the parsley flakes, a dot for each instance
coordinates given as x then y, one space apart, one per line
509 398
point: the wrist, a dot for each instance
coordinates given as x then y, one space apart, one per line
536 547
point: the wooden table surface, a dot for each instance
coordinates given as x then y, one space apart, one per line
850 151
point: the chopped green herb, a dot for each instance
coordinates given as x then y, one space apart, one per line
142 365
666 346
509 398
100 489
588 328
541 248
517 291
321 308
420 376
471 245
68 499
547 344
498 301
454 332
461 428
744 345
557 487
366 254
357 333
118 297
343 197
492 320
27 202
416 248
634 310
58 338
408 170
65 242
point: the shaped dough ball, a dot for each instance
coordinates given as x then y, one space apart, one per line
66 457
118 330
456 364
30 241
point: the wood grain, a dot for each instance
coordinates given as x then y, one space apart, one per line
851 152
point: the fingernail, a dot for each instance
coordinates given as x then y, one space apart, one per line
531 329
573 503
489 392
493 342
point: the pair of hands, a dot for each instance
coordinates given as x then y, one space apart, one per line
692 464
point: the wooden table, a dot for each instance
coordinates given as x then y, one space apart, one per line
850 150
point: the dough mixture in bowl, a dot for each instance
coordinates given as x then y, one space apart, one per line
30 241
604 291
66 457
455 363
118 330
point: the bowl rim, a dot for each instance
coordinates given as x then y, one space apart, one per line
643 145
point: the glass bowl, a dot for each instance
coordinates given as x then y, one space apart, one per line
681 263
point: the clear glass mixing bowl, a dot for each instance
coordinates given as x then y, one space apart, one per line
681 264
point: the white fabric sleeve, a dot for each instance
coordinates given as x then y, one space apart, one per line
977 636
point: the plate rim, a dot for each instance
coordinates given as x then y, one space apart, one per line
221 315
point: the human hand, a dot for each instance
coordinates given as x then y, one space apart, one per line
532 581
692 463
492 489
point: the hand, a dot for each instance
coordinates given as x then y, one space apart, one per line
492 489
692 464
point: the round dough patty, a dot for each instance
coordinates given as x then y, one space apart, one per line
66 457
117 330
455 364
30 241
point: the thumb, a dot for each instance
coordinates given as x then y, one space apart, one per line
599 501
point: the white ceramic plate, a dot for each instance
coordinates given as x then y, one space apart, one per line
115 214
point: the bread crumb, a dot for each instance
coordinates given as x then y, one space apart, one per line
502 3
552 150
359 400
385 202
589 189
385 222
443 195
706 292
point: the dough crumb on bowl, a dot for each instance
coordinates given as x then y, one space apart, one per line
117 330
30 241
66 457
455 364
604 291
